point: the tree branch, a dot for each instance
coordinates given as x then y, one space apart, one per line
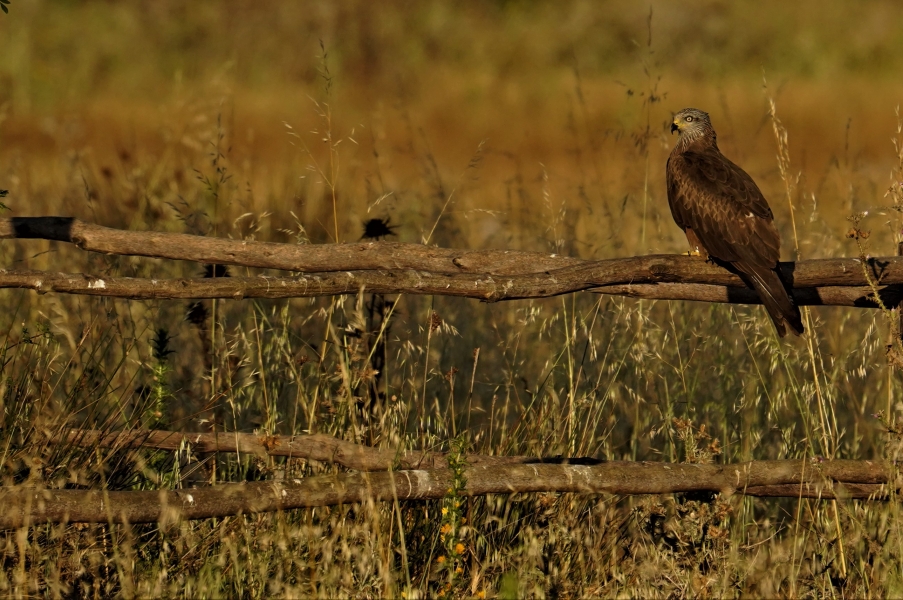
394 257
26 505
308 258
855 296
478 286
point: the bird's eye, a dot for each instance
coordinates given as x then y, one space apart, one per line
689 119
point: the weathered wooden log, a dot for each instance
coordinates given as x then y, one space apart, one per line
26 505
396 257
289 257
481 287
853 296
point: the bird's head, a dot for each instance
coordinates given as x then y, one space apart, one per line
691 123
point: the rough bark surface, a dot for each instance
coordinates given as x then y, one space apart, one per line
396 268
288 257
853 296
484 287
26 505
386 267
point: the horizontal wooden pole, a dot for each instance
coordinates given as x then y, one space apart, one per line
853 296
480 287
26 505
309 258
551 271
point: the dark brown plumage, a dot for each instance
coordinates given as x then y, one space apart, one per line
723 214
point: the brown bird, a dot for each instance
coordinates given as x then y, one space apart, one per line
724 214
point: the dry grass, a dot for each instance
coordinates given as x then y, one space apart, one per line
530 126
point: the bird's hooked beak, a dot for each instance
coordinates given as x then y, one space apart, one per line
674 127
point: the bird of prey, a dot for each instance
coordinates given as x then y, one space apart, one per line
723 214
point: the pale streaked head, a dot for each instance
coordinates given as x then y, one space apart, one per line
691 124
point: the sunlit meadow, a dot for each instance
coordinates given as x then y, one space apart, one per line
524 125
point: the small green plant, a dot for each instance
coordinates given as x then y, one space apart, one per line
452 529
154 413
699 447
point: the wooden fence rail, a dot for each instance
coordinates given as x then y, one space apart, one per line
420 478
398 268
478 287
390 268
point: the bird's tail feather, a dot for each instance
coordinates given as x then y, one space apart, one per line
777 301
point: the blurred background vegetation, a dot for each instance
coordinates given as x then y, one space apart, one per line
562 85
508 124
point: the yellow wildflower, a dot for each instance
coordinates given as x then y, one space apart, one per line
459 548
445 528
441 560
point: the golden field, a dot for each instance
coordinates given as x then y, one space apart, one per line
525 125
